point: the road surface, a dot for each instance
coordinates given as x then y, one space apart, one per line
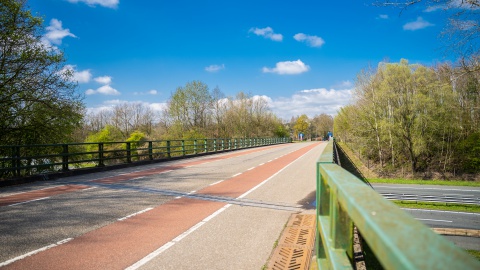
212 212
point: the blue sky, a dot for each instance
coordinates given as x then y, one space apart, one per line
303 56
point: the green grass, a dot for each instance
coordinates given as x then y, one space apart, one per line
426 182
439 206
474 253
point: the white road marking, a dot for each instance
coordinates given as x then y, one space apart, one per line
34 252
39 199
426 188
13 194
441 211
216 183
438 220
261 164
235 175
134 214
88 188
251 168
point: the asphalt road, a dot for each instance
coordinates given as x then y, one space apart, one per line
467 195
439 219
212 212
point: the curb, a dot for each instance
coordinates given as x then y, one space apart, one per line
457 232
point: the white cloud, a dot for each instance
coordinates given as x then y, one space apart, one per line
104 90
55 33
214 68
434 8
383 16
288 68
103 3
420 23
103 79
312 41
153 92
83 76
311 102
266 32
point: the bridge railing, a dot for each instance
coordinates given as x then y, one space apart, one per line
397 240
25 160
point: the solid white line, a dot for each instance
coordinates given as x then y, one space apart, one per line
34 252
441 211
88 188
396 187
39 199
439 220
134 214
165 171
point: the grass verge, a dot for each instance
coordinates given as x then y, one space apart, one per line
474 253
439 206
425 182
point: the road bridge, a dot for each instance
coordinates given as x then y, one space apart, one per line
210 212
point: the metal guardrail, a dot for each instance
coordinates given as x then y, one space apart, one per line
396 239
25 160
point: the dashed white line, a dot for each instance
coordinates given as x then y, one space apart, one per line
134 214
235 175
251 168
34 252
261 164
168 245
89 188
39 199
212 184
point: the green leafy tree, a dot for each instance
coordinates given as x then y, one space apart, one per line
38 102
301 125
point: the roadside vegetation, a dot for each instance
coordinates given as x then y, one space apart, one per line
471 208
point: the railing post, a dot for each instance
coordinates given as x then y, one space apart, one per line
195 147
214 145
16 160
129 153
183 147
100 155
65 157
223 144
205 150
150 150
168 149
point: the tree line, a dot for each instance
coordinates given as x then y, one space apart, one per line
415 118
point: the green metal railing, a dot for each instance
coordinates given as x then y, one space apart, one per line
397 240
25 160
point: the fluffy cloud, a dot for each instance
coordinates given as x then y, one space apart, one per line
420 23
312 41
103 3
55 33
288 68
214 68
383 16
83 76
103 79
267 32
150 92
311 102
104 90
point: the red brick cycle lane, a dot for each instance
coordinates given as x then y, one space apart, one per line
123 243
